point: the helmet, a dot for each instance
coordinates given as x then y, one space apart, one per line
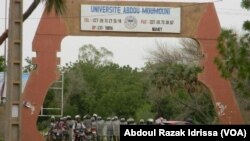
141 120
77 116
150 120
130 120
122 119
68 117
94 115
115 117
99 117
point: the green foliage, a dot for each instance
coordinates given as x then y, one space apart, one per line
90 54
30 66
234 64
177 94
95 85
174 91
171 90
2 64
227 47
145 112
245 4
53 99
106 90
246 25
234 61
43 123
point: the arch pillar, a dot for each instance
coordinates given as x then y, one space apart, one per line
46 44
221 89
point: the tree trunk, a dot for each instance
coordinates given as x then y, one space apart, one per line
4 36
27 13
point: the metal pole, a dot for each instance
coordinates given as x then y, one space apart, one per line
62 94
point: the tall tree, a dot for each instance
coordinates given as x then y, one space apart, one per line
93 86
57 5
175 90
234 64
234 59
90 54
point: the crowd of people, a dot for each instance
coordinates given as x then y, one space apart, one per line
93 128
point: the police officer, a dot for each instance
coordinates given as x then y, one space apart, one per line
116 127
78 128
70 124
109 129
100 127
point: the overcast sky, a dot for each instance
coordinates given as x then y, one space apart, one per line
127 51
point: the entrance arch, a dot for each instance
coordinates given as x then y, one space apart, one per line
198 21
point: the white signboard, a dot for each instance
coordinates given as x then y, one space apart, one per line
130 18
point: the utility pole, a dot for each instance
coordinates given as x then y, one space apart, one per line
14 72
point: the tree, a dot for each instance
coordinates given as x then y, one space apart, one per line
191 50
163 55
189 53
246 4
174 88
90 54
93 86
57 5
234 62
29 67
177 94
107 90
2 64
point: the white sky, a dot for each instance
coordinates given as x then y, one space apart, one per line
127 51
